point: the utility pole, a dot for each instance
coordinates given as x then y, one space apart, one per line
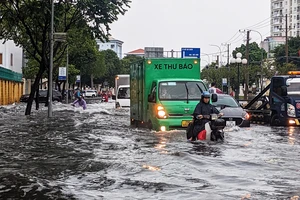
228 65
286 40
217 62
67 75
50 81
247 66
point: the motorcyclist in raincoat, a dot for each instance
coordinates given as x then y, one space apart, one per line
203 108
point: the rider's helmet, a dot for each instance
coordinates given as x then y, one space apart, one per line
205 94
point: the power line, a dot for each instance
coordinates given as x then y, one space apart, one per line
232 37
258 24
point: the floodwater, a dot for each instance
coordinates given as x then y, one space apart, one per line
94 154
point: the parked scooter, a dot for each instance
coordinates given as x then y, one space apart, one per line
213 129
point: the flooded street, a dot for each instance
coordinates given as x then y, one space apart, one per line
95 154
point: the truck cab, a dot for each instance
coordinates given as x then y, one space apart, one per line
172 102
164 92
281 107
285 100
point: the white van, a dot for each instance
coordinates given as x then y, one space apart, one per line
123 96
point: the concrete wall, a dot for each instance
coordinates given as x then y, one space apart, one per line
10 50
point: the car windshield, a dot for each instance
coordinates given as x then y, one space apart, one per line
181 90
225 101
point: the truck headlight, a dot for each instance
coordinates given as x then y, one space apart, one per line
161 113
291 110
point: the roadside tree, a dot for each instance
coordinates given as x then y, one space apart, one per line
28 24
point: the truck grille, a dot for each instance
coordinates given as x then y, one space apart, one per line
178 115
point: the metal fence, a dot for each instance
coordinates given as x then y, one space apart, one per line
10 75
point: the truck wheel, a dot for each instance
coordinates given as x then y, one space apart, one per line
275 121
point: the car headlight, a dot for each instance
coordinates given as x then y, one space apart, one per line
247 116
291 110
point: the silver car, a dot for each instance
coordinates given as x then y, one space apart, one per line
234 114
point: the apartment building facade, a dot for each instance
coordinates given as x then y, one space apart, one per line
113 44
279 10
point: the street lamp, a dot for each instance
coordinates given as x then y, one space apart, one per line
238 60
220 54
50 84
62 37
261 62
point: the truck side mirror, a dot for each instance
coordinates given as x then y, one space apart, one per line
151 98
283 91
214 97
113 97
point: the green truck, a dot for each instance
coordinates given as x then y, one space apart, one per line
164 92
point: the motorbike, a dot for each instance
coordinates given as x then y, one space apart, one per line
104 98
213 130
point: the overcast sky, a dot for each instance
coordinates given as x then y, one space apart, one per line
174 24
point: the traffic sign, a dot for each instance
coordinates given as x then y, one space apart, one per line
224 81
62 73
78 79
190 52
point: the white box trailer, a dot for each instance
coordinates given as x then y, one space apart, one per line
122 90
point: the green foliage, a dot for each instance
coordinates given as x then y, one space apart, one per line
126 62
256 54
284 68
113 66
254 70
28 24
293 52
73 72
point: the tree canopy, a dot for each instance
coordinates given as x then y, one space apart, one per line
293 52
28 24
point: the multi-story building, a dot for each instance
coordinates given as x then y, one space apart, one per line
113 44
279 10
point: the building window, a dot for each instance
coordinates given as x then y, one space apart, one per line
11 60
1 62
112 46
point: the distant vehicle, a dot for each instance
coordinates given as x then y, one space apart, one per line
122 88
43 96
234 114
123 96
104 97
89 93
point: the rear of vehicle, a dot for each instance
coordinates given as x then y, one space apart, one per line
90 93
122 88
123 96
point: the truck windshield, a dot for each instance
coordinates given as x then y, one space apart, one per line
180 90
293 86
124 93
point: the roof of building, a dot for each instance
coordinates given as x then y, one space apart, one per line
137 51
